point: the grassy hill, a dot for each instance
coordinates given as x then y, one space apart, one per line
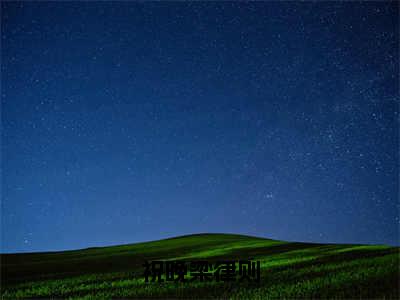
288 270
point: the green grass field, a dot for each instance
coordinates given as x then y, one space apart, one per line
288 270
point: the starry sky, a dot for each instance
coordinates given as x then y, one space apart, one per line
129 121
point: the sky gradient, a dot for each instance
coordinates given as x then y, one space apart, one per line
126 121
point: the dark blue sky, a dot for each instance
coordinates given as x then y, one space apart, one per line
124 122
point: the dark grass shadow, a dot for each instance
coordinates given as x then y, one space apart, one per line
132 264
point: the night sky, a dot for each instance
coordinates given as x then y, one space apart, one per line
125 122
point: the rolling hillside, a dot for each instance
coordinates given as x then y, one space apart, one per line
288 270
